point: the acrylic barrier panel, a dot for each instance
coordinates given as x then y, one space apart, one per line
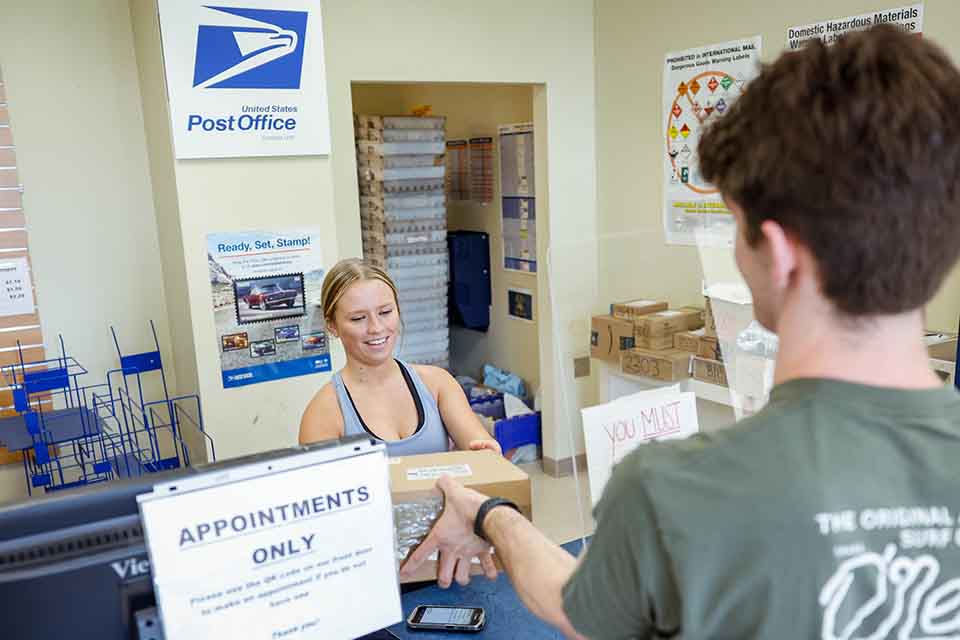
636 355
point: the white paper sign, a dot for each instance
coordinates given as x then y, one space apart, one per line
16 292
613 430
245 77
278 556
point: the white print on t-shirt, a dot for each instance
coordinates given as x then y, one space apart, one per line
904 596
935 611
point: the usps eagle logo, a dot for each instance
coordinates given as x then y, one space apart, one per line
240 48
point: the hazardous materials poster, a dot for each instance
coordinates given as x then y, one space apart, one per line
699 85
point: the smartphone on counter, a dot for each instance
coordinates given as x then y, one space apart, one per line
447 618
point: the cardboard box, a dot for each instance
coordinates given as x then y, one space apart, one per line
943 359
710 348
412 480
668 366
709 371
665 323
696 317
609 336
634 309
709 322
688 341
658 343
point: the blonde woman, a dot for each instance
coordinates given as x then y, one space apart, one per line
412 408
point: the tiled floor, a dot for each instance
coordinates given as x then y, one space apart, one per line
555 503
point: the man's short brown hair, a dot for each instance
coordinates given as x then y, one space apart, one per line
853 148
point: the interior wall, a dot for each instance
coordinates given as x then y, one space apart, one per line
74 105
472 111
146 35
635 261
534 42
368 41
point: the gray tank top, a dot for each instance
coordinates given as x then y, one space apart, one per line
431 434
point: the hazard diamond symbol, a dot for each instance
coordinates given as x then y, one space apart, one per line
673 132
695 87
721 105
709 110
682 89
725 82
713 84
684 131
676 111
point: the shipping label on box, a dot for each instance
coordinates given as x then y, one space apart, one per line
609 336
634 309
661 365
709 371
434 472
688 341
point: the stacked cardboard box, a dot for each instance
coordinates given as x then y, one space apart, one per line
711 371
611 335
403 222
640 334
655 331
708 361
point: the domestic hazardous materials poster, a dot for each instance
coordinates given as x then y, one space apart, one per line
699 85
909 19
265 289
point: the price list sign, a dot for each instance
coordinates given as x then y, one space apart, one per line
16 292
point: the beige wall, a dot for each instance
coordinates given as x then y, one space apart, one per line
632 38
471 111
145 23
75 111
542 42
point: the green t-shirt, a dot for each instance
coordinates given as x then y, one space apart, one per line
832 513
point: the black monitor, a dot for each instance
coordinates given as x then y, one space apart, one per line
74 564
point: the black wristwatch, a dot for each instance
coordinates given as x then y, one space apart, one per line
485 509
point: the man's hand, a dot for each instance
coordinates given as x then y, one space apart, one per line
452 535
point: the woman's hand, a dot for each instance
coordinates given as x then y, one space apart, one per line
493 445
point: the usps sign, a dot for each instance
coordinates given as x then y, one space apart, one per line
245 77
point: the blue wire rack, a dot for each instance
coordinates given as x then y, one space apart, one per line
73 434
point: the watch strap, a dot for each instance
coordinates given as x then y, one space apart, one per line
485 508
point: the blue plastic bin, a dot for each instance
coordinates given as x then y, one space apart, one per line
490 406
516 432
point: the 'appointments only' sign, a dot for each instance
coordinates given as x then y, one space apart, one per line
245 78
